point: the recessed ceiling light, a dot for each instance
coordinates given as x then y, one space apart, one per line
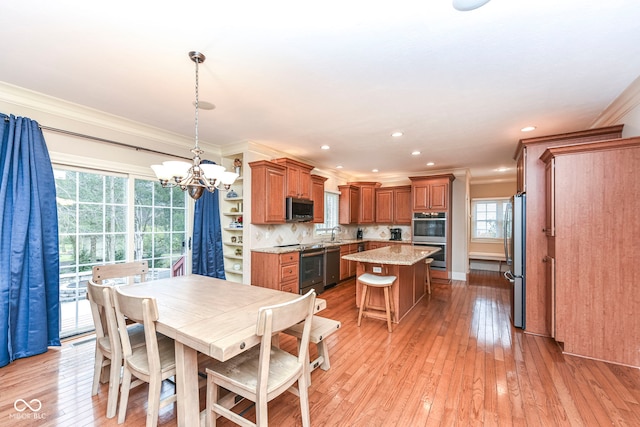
430 164
204 105
325 147
466 5
415 153
339 167
528 128
501 169
374 170
397 134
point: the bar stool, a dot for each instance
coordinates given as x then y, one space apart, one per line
427 273
384 282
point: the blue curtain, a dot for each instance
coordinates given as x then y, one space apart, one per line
29 262
207 236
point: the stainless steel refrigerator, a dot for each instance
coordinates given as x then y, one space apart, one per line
514 250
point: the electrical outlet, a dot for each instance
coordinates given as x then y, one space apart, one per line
377 269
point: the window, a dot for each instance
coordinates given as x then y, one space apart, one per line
487 218
94 217
331 202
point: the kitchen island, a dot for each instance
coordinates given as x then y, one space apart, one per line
406 262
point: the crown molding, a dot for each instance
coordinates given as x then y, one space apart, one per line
615 112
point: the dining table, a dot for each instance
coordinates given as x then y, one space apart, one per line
206 315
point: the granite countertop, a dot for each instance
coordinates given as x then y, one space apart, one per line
325 244
395 255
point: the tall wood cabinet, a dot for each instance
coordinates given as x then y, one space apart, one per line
317 195
349 204
592 229
431 193
531 180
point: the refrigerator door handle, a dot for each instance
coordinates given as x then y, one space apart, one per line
509 276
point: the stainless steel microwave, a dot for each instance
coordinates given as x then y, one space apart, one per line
299 210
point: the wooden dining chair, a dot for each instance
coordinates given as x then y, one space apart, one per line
152 363
265 371
108 355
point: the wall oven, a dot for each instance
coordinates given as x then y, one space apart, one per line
429 227
440 257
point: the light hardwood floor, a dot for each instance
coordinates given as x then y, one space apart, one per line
454 359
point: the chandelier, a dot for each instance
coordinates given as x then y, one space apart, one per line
194 177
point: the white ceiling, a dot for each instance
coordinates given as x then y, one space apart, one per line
295 75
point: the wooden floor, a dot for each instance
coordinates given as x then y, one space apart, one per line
454 359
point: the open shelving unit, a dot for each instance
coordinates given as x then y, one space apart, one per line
232 225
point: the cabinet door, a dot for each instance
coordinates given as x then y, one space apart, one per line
402 206
439 196
317 195
293 181
421 197
384 206
367 205
267 193
304 184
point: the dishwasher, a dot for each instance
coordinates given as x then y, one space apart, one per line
331 266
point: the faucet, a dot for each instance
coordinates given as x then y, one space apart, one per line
333 232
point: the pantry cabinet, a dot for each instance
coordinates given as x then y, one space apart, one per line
592 201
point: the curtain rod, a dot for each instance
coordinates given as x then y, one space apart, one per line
109 141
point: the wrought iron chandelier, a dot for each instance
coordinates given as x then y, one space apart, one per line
194 177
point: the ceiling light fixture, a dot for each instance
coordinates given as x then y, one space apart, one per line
375 170
325 147
430 164
397 134
528 128
466 5
415 153
194 177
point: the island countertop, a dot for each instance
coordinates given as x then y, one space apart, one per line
394 255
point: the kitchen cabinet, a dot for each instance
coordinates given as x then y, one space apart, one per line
279 271
431 193
349 204
593 245
347 268
317 195
531 178
267 192
393 205
367 212
298 178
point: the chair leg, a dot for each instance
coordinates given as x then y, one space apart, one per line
262 417
153 405
428 279
364 294
387 307
97 371
114 385
323 351
212 397
124 395
304 401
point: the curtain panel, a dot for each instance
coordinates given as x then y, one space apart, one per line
208 259
29 259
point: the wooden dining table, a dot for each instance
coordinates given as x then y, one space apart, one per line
207 315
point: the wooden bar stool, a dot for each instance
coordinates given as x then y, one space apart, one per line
384 282
427 273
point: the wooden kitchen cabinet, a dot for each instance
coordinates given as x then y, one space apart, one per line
393 205
347 268
531 178
431 193
349 204
267 193
594 249
317 195
276 271
298 178
367 213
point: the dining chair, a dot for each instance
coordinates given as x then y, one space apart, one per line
152 363
108 345
264 372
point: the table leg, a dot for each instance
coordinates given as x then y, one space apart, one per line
187 386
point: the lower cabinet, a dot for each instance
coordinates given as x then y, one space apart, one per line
276 271
347 268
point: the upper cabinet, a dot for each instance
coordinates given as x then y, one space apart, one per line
431 193
349 206
267 192
298 178
317 195
367 212
393 205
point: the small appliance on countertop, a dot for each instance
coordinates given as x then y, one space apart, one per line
396 234
359 234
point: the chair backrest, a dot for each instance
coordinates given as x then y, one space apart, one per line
104 315
120 270
276 318
143 310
